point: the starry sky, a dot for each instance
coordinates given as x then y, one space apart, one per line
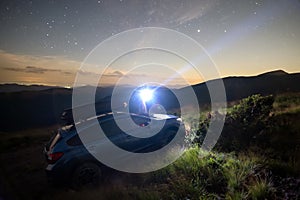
45 41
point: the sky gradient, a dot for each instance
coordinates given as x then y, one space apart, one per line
45 42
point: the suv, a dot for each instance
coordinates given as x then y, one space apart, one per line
69 161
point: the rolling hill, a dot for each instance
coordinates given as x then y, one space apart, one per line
27 107
274 82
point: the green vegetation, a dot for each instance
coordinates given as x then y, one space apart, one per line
287 103
256 157
211 175
243 123
261 189
196 175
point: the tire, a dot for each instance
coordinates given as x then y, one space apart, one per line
86 175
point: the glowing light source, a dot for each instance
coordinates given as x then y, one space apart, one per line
146 95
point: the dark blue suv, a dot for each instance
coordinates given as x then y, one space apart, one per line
69 162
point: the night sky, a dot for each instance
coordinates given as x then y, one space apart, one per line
44 42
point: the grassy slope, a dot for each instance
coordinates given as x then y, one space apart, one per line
270 173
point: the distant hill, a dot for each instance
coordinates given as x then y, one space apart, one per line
31 106
13 87
274 82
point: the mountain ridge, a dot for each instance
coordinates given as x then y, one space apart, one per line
15 87
27 109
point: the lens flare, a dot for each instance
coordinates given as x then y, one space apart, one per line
146 95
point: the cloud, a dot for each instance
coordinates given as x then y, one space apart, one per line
193 10
86 73
114 74
22 68
34 63
14 69
34 70
67 73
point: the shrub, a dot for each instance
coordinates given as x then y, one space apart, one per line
261 189
246 122
243 123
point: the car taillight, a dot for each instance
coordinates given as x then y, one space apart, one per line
53 157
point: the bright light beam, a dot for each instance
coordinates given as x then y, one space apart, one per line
146 95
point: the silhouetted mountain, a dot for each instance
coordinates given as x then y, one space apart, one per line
32 108
274 73
40 106
13 87
26 109
236 88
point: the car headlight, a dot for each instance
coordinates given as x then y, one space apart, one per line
146 94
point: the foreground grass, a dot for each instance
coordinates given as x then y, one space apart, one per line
211 175
196 175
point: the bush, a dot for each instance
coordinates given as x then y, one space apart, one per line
243 123
246 121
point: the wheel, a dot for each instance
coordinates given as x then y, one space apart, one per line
86 175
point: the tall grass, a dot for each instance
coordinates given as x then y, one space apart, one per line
261 188
199 174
